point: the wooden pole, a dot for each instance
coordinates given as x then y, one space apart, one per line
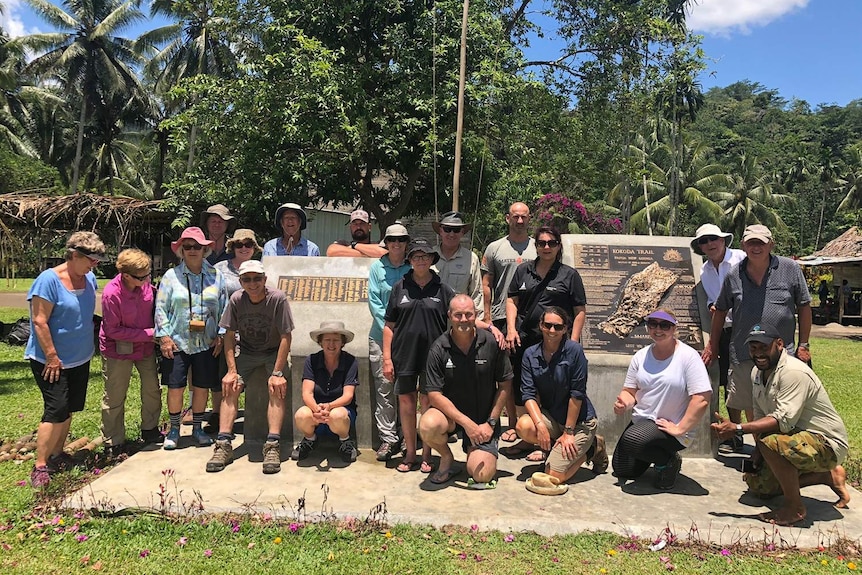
459 129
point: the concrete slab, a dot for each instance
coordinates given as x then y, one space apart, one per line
708 503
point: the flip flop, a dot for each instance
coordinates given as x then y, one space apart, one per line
407 466
537 456
443 476
426 467
509 436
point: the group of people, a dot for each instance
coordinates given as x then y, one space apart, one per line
465 339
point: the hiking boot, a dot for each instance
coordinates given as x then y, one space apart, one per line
171 439
40 476
348 451
600 456
271 457
387 450
152 436
201 437
60 462
666 475
302 449
222 456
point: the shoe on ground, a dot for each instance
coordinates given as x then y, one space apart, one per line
201 436
732 445
271 457
302 449
600 456
453 438
222 456
115 451
152 436
348 451
40 476
60 462
666 476
172 439
388 450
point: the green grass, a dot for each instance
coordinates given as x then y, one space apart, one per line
22 285
36 538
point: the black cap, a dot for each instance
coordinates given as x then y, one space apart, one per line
422 245
763 333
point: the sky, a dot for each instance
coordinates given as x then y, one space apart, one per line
805 49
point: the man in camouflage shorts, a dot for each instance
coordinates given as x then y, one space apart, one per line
800 439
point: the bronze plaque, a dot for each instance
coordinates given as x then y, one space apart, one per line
625 282
328 289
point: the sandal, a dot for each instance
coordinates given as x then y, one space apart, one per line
509 436
407 466
426 467
442 477
537 456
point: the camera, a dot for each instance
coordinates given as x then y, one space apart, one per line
197 325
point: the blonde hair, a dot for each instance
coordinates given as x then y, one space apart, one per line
132 261
88 241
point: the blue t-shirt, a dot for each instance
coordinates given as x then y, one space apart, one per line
71 320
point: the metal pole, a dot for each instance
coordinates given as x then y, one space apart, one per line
459 129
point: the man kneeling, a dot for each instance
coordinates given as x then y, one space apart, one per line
799 436
262 319
468 380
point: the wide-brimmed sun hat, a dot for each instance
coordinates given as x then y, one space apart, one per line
331 326
454 219
303 218
544 484
239 237
221 211
707 230
192 233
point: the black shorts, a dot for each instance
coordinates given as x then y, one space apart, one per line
66 395
409 384
204 370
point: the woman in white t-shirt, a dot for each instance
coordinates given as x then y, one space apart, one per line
668 390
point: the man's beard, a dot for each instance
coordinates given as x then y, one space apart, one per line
359 235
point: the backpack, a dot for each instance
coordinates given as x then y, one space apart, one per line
20 332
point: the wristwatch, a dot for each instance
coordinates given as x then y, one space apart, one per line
739 432
493 421
569 430
353 244
278 374
804 345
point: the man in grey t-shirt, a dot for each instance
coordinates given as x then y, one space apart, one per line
262 319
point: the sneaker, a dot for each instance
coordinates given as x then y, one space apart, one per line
667 474
302 449
172 438
201 437
222 456
387 450
40 476
152 436
348 451
271 457
60 462
600 456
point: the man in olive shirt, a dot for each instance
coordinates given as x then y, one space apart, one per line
800 438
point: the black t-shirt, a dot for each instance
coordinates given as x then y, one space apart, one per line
419 315
328 388
468 381
561 287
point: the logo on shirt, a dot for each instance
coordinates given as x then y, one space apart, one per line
481 361
523 287
449 364
435 299
405 299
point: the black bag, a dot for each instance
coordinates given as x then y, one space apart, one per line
20 332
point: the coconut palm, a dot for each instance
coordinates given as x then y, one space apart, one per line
86 56
853 182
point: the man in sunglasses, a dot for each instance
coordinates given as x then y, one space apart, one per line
458 266
264 322
711 242
360 245
762 288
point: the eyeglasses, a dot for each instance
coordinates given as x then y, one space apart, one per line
662 325
706 239
547 243
192 247
553 326
141 278
251 279
398 239
421 258
245 244
451 229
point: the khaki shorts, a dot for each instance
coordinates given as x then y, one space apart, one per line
739 387
585 433
808 452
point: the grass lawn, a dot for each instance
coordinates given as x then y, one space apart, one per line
22 285
36 537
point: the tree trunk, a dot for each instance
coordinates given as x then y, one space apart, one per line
76 167
162 139
192 137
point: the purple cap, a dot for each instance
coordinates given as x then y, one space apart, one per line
662 316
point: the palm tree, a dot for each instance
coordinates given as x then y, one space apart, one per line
853 182
750 198
86 56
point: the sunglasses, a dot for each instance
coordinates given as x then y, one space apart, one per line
398 239
143 277
192 247
451 229
547 243
706 239
553 326
251 279
245 244
662 325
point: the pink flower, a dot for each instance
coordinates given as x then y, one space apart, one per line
294 527
234 527
21 483
144 552
474 527
509 538
182 541
208 553
97 471
80 538
725 552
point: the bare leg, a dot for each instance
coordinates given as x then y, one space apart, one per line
434 427
424 405
228 411
199 399
304 420
836 479
787 475
570 472
274 414
481 465
407 409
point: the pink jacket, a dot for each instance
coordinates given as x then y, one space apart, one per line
127 315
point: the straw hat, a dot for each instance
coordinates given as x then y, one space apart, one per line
222 212
331 326
544 484
239 237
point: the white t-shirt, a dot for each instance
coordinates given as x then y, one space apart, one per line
664 387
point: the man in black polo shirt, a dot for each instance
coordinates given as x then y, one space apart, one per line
468 380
